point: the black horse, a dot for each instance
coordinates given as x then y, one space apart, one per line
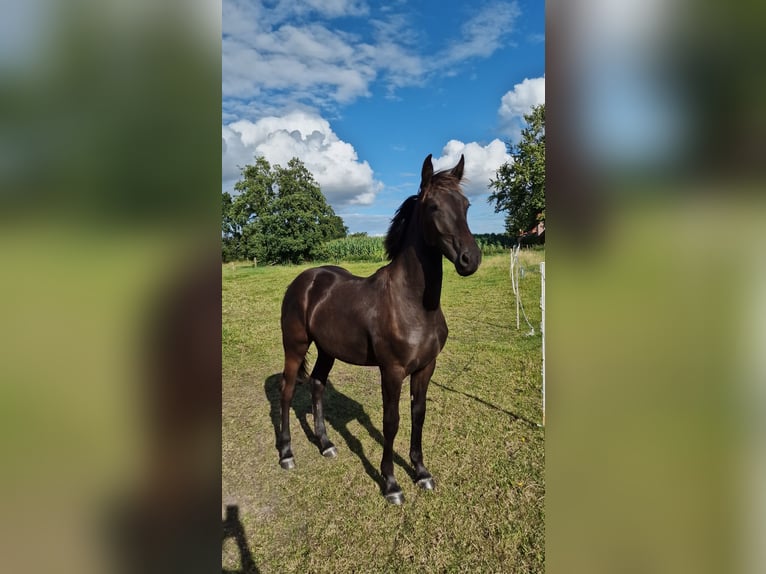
391 319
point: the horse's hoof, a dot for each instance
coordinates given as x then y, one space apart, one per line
395 498
287 463
330 452
426 483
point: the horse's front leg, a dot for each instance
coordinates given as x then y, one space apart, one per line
391 383
419 387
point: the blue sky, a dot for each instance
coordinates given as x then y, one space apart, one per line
362 92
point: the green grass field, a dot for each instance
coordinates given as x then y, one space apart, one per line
481 439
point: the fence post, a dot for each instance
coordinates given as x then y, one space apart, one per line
542 326
514 280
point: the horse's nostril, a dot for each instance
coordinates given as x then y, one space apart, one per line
465 259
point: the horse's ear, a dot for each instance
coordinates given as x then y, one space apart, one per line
457 171
426 173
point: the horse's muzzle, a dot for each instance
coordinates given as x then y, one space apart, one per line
468 261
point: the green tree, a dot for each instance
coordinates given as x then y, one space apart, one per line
278 215
230 231
519 187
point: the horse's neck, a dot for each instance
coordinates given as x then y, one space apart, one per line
419 269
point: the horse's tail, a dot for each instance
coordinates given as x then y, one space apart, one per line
303 372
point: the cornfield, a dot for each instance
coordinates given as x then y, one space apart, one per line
364 248
353 249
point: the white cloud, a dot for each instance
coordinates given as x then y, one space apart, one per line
238 13
273 53
336 8
393 52
519 101
279 54
485 32
311 62
305 135
481 163
522 97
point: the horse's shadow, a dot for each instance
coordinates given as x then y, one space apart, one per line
339 411
232 528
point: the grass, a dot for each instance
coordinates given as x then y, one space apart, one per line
481 440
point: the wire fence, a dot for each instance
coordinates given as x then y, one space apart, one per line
517 272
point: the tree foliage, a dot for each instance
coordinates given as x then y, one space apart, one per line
519 189
277 215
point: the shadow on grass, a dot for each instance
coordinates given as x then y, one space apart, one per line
339 411
485 403
232 528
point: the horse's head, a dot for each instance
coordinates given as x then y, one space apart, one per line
444 211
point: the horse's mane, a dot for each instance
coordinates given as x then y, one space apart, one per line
397 231
394 241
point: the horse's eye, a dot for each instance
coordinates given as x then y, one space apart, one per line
433 207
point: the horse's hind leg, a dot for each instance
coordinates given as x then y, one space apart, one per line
318 382
293 360
418 388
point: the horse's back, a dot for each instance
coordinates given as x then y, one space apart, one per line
315 281
310 287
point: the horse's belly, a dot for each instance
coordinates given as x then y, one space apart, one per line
342 335
349 347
